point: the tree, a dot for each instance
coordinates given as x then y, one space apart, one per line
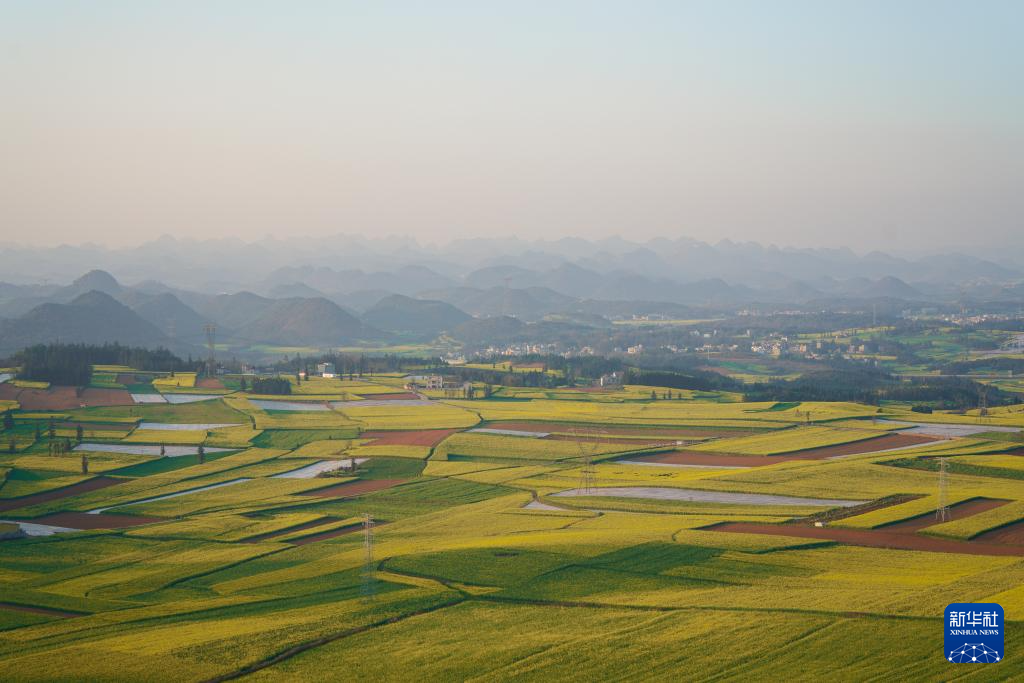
243 385
39 433
53 429
163 450
654 396
8 420
271 385
79 433
85 464
12 445
201 452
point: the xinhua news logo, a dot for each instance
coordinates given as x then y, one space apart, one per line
974 633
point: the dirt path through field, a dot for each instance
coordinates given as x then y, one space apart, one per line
353 488
1011 534
961 510
870 538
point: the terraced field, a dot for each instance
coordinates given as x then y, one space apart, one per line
225 539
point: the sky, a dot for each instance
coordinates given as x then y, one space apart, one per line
872 124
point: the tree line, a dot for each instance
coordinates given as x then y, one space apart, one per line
71 364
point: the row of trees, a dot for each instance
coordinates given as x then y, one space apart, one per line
872 387
71 364
271 385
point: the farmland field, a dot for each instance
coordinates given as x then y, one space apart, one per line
224 539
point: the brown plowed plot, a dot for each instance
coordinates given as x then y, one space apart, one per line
9 392
209 383
354 488
39 610
1011 534
84 520
57 494
291 529
959 511
873 445
660 433
401 396
333 533
66 398
124 378
424 437
870 538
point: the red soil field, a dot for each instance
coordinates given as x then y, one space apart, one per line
39 610
9 392
959 511
661 433
872 445
282 532
84 520
880 443
1011 534
64 398
870 538
401 396
209 383
333 533
57 494
424 437
354 488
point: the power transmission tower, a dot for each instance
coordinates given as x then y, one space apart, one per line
942 509
587 442
369 570
211 344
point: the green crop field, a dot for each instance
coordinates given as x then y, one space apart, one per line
497 556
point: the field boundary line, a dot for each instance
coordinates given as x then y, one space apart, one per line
290 652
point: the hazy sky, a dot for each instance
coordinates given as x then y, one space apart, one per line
862 123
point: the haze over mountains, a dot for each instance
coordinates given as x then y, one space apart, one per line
345 290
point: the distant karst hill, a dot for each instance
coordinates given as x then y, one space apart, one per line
92 317
422 318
